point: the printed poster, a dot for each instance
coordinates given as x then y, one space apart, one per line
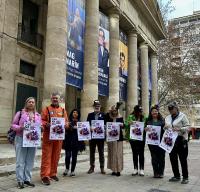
57 128
136 130
112 131
153 135
83 129
98 129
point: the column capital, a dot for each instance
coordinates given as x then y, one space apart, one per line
154 55
114 12
132 32
144 45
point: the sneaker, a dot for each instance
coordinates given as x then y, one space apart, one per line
72 174
29 184
65 173
54 178
174 179
141 173
185 181
20 185
91 170
118 174
46 181
135 172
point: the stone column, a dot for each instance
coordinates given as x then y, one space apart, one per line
145 77
154 77
55 51
132 92
90 87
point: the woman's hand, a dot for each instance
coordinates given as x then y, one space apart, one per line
148 128
176 128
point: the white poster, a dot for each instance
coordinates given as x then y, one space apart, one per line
168 140
153 135
32 134
83 129
136 130
57 128
98 129
112 131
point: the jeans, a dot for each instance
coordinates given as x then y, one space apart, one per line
68 154
24 160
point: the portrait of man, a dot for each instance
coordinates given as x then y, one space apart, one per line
122 66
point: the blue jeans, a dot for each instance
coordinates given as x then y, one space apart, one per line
24 160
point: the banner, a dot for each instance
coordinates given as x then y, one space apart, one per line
83 130
57 128
153 135
123 66
168 140
136 130
32 135
112 131
98 129
75 42
103 56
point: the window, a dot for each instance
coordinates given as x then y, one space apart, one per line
27 68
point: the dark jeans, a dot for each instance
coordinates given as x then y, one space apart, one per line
180 150
157 159
138 151
68 154
100 145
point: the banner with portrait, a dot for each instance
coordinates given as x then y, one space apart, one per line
98 129
75 42
153 135
112 131
103 56
136 130
57 128
83 130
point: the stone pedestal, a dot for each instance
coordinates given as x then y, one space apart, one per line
154 77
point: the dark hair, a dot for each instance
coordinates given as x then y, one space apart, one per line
150 117
71 115
136 111
122 55
100 29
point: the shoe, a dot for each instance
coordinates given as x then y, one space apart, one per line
46 181
29 184
72 174
65 173
55 178
20 185
118 174
135 172
91 170
102 171
113 173
185 181
174 179
156 176
141 173
161 176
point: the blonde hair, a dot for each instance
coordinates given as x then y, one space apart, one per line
27 100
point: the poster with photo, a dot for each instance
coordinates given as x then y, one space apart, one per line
112 131
32 134
153 135
136 130
57 128
168 140
98 129
83 130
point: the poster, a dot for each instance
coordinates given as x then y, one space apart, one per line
153 135
32 135
98 129
136 130
168 140
103 56
112 131
75 42
83 129
57 128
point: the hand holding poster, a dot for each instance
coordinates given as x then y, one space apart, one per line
153 135
112 131
57 128
136 130
31 135
83 129
168 140
98 129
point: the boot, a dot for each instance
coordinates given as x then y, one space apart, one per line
102 171
91 170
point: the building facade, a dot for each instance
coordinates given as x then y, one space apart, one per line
55 45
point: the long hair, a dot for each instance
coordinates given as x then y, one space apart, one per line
26 102
150 117
136 111
71 115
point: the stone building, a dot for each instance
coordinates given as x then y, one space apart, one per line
33 49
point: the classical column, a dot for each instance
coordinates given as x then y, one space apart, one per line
154 77
132 93
90 87
145 77
55 50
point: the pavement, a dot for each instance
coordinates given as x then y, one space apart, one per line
100 183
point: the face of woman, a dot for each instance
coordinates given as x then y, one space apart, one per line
30 105
114 112
154 113
75 114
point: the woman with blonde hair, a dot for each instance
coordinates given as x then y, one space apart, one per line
25 155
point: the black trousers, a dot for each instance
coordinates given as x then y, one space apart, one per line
180 151
68 155
138 151
157 159
100 145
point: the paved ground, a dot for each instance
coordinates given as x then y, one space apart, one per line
97 182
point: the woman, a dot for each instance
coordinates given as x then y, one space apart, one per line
136 146
71 143
157 153
25 155
178 122
115 148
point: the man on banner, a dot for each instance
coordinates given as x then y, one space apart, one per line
51 148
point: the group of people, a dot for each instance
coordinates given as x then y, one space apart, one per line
51 149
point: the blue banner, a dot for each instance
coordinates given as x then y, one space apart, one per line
75 42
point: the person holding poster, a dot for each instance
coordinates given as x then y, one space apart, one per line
136 145
157 153
51 148
115 148
178 122
96 115
25 155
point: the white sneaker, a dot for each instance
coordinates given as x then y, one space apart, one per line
135 172
72 174
65 173
141 172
